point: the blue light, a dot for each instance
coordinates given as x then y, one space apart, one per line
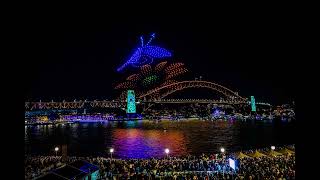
152 37
145 54
216 113
141 38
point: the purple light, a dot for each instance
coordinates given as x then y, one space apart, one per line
136 143
216 112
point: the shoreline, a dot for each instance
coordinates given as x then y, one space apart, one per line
265 150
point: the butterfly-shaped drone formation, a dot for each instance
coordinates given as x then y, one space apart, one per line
145 54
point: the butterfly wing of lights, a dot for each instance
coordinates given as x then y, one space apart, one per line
133 60
156 52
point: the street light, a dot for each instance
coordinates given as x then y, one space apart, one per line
111 151
166 151
222 150
273 148
56 149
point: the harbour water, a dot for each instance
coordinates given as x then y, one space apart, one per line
146 139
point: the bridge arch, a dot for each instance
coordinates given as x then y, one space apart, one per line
163 91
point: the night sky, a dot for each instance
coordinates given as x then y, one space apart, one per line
80 63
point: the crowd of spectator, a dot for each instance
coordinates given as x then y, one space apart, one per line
213 166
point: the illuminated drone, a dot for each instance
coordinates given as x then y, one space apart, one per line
145 54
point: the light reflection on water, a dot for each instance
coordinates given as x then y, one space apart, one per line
144 139
137 143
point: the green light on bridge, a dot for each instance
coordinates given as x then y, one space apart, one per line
253 104
131 102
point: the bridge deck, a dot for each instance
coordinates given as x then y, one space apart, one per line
121 104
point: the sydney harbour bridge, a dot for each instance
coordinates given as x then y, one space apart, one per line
155 96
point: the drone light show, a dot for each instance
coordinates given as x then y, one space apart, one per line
145 54
152 77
